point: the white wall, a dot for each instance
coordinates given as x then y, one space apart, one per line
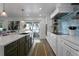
4 23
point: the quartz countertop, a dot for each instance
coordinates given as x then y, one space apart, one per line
4 40
71 38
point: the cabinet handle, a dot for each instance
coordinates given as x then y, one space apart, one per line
68 53
71 47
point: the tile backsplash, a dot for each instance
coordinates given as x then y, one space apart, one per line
64 24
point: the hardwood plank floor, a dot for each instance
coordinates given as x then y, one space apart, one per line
42 48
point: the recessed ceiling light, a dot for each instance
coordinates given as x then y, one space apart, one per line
27 15
40 15
22 21
40 8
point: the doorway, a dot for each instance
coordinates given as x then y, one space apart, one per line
34 28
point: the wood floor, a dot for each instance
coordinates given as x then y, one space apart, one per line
42 48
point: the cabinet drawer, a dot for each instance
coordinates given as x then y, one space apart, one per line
11 45
11 52
68 51
71 45
14 53
10 49
22 40
26 49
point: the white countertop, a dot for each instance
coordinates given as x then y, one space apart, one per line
72 38
4 40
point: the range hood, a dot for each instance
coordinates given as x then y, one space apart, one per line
59 15
76 10
76 16
74 3
61 10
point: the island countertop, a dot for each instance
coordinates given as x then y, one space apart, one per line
5 40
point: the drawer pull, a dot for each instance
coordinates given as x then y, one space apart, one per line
71 47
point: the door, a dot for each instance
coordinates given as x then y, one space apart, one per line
33 29
36 30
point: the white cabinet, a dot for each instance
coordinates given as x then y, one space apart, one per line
51 38
63 46
67 51
66 48
70 49
59 46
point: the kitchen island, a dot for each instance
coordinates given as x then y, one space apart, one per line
15 45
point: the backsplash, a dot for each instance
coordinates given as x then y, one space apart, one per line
64 24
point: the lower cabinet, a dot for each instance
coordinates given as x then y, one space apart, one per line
52 40
70 49
68 52
59 47
20 47
11 49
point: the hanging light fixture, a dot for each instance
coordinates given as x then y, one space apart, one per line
3 12
22 13
22 16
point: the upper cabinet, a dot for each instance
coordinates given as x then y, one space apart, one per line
61 10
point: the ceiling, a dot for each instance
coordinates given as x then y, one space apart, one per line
30 9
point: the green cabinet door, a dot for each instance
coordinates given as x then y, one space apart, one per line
11 49
21 46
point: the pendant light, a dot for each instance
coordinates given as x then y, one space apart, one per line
22 13
22 16
3 12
